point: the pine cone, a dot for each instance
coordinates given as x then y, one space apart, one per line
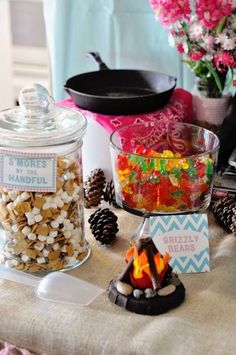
224 212
109 194
103 224
93 188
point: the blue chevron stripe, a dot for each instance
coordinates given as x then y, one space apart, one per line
164 224
200 255
203 266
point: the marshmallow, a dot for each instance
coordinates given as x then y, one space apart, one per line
5 198
38 218
31 221
63 213
41 260
10 206
35 210
46 206
45 252
56 246
67 234
53 234
50 240
42 238
39 246
60 219
54 224
12 194
25 196
31 236
15 228
25 258
26 230
29 215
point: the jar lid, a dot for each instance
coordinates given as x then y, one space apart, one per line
37 121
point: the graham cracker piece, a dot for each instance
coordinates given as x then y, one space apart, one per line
44 230
46 213
70 249
65 207
22 224
81 256
68 186
25 206
34 268
39 202
59 171
3 210
56 264
21 267
19 236
35 226
54 255
31 253
31 196
6 226
20 247
72 212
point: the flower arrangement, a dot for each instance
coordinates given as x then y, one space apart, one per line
205 32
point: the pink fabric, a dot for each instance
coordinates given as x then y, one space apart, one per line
180 108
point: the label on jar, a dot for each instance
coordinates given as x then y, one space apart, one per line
28 171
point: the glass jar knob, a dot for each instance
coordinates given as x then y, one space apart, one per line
34 101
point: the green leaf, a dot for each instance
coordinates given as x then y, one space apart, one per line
214 74
221 25
230 80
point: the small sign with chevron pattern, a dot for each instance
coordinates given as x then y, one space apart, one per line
186 239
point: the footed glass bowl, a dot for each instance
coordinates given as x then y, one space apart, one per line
163 168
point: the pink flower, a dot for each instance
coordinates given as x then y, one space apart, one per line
195 56
224 60
210 12
180 48
153 3
171 11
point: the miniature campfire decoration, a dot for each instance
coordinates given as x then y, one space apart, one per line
147 285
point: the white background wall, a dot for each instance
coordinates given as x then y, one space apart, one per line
23 50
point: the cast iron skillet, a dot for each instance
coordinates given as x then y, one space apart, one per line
120 91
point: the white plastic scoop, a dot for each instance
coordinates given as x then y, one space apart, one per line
56 286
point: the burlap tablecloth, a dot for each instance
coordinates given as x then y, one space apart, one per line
204 324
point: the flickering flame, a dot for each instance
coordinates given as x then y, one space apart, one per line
141 265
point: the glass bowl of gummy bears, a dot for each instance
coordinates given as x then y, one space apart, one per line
163 167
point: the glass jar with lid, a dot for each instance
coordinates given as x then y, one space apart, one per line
41 186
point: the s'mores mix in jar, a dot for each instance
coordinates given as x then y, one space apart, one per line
41 186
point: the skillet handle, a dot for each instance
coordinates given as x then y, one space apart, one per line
98 60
